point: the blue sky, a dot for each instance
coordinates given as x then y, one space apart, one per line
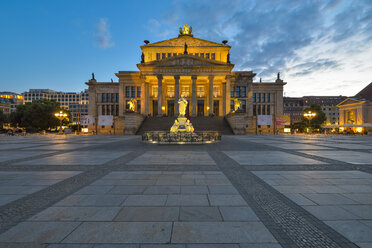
320 47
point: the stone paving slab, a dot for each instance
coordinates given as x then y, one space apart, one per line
92 157
121 232
268 158
11 155
174 157
221 232
349 157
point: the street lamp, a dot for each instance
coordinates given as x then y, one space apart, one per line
309 116
61 116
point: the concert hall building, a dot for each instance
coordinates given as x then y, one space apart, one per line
200 70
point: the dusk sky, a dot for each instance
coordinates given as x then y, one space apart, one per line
319 47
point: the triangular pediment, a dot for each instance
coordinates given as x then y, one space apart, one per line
349 101
185 61
189 40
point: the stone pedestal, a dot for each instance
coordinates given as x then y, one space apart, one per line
132 122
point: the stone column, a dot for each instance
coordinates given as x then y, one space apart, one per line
147 98
160 94
143 98
224 99
193 96
228 94
121 98
210 100
176 93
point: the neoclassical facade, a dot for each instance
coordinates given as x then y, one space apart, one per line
197 69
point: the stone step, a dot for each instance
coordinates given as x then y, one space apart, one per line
200 124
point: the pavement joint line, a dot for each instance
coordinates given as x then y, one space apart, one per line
290 224
21 209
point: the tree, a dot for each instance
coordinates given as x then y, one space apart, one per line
36 116
3 119
318 120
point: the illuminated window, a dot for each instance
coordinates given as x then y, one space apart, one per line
170 91
202 55
216 91
163 56
154 91
169 55
185 91
350 116
174 54
213 56
157 56
207 55
200 91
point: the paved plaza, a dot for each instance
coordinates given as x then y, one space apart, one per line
246 191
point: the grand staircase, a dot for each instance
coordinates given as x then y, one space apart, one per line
200 124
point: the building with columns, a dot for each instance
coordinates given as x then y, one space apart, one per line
196 69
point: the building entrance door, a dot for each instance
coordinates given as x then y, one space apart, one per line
154 108
170 108
200 108
216 107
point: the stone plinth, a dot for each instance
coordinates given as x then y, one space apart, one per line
132 122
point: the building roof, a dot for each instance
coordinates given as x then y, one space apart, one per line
365 93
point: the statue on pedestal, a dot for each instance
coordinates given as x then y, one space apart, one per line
182 124
237 105
132 105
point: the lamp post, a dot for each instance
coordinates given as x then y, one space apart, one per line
61 116
309 116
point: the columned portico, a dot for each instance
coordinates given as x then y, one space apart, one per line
210 96
176 93
193 95
160 94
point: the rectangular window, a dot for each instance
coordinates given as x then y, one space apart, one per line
232 92
185 91
163 56
127 91
157 56
170 91
254 97
169 55
216 91
263 97
268 97
258 97
117 110
133 91
139 106
259 109
103 97
113 97
232 104
138 91
243 91
237 91
202 55
207 55
213 56
268 109
117 97
174 54
200 91
103 110
154 91
244 105
264 109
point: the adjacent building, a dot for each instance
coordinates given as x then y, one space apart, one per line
328 104
76 103
197 69
356 111
9 101
294 108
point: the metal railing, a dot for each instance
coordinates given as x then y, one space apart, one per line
166 137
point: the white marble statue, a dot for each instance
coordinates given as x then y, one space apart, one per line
182 105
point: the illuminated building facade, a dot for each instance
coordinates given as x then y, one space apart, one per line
76 103
9 101
197 69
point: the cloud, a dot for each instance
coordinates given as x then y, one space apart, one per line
102 34
309 42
